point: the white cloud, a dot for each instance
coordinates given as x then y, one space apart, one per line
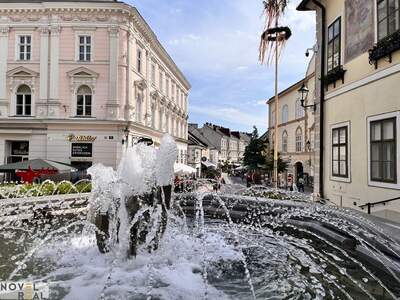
231 114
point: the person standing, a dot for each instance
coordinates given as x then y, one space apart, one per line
300 184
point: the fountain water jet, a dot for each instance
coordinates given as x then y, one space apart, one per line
234 245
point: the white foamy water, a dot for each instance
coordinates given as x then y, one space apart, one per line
81 272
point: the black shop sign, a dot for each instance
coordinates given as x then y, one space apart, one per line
81 150
19 148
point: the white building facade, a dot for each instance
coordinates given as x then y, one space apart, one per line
82 80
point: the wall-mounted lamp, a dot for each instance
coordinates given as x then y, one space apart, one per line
308 146
303 91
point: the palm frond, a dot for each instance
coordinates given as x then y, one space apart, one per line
272 12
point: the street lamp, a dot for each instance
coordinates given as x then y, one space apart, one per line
303 91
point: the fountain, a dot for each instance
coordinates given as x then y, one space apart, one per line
238 244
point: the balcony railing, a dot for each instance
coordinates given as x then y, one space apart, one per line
384 48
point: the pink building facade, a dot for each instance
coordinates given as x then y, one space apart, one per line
81 80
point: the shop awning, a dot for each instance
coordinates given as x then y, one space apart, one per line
209 164
37 164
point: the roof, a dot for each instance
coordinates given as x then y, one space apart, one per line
193 141
195 132
303 6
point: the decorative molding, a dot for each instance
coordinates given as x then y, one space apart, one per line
141 84
44 30
114 31
367 80
82 76
55 29
4 30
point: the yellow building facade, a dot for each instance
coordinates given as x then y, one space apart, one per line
358 62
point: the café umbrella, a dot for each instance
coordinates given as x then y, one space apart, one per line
182 169
30 169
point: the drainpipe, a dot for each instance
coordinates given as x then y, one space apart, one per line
322 97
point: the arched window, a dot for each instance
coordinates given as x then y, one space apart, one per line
284 142
139 108
299 140
272 117
24 101
285 114
84 101
299 110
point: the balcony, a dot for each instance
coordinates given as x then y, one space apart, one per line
334 75
384 48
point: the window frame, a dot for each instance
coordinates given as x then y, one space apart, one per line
285 114
299 140
347 144
88 55
331 43
139 60
24 105
372 183
386 18
18 46
86 33
84 103
285 141
161 80
153 73
381 143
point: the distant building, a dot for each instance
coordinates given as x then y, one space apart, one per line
295 129
201 153
230 145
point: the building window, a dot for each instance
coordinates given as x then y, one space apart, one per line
85 48
299 110
161 81
167 86
84 101
24 47
388 17
299 140
153 116
340 156
285 114
139 60
139 108
273 117
172 91
383 150
153 73
285 142
334 44
24 101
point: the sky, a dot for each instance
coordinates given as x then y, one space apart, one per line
215 44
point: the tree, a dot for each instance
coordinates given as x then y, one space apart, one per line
282 165
254 156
